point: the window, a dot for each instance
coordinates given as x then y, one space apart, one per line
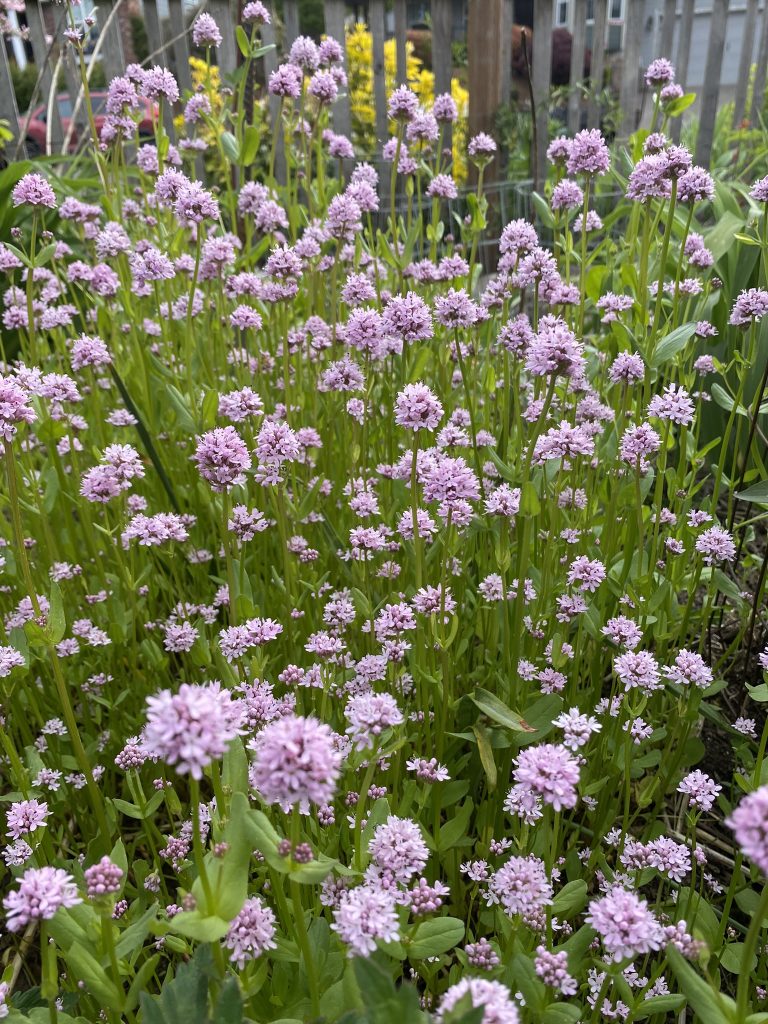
616 12
561 14
65 107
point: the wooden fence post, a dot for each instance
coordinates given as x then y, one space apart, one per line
597 65
711 89
44 62
268 37
682 57
153 29
745 62
335 11
505 49
401 29
442 61
180 46
111 54
578 48
226 53
158 55
630 70
543 19
8 109
760 72
667 34
291 21
376 15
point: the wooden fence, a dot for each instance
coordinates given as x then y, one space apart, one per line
489 47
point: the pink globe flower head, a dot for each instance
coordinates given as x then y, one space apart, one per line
659 72
296 761
33 190
750 307
403 104
41 892
364 916
626 924
103 878
481 149
749 823
700 789
559 150
256 13
550 770
589 154
418 408
398 849
222 458
251 933
369 715
205 31
444 109
14 408
190 729
494 998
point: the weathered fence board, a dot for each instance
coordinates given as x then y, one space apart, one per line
226 52
376 15
111 53
401 29
45 63
745 62
8 109
597 65
269 38
760 71
630 70
711 89
543 13
335 12
667 33
578 48
291 21
180 47
442 62
682 56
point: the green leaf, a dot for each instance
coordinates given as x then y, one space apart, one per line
85 967
659 1004
210 409
56 623
184 1000
141 982
243 41
230 147
732 959
561 1013
455 829
250 148
673 343
229 1005
542 209
435 937
712 1007
571 899
193 925
485 751
728 587
132 939
721 237
493 708
757 494
680 105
